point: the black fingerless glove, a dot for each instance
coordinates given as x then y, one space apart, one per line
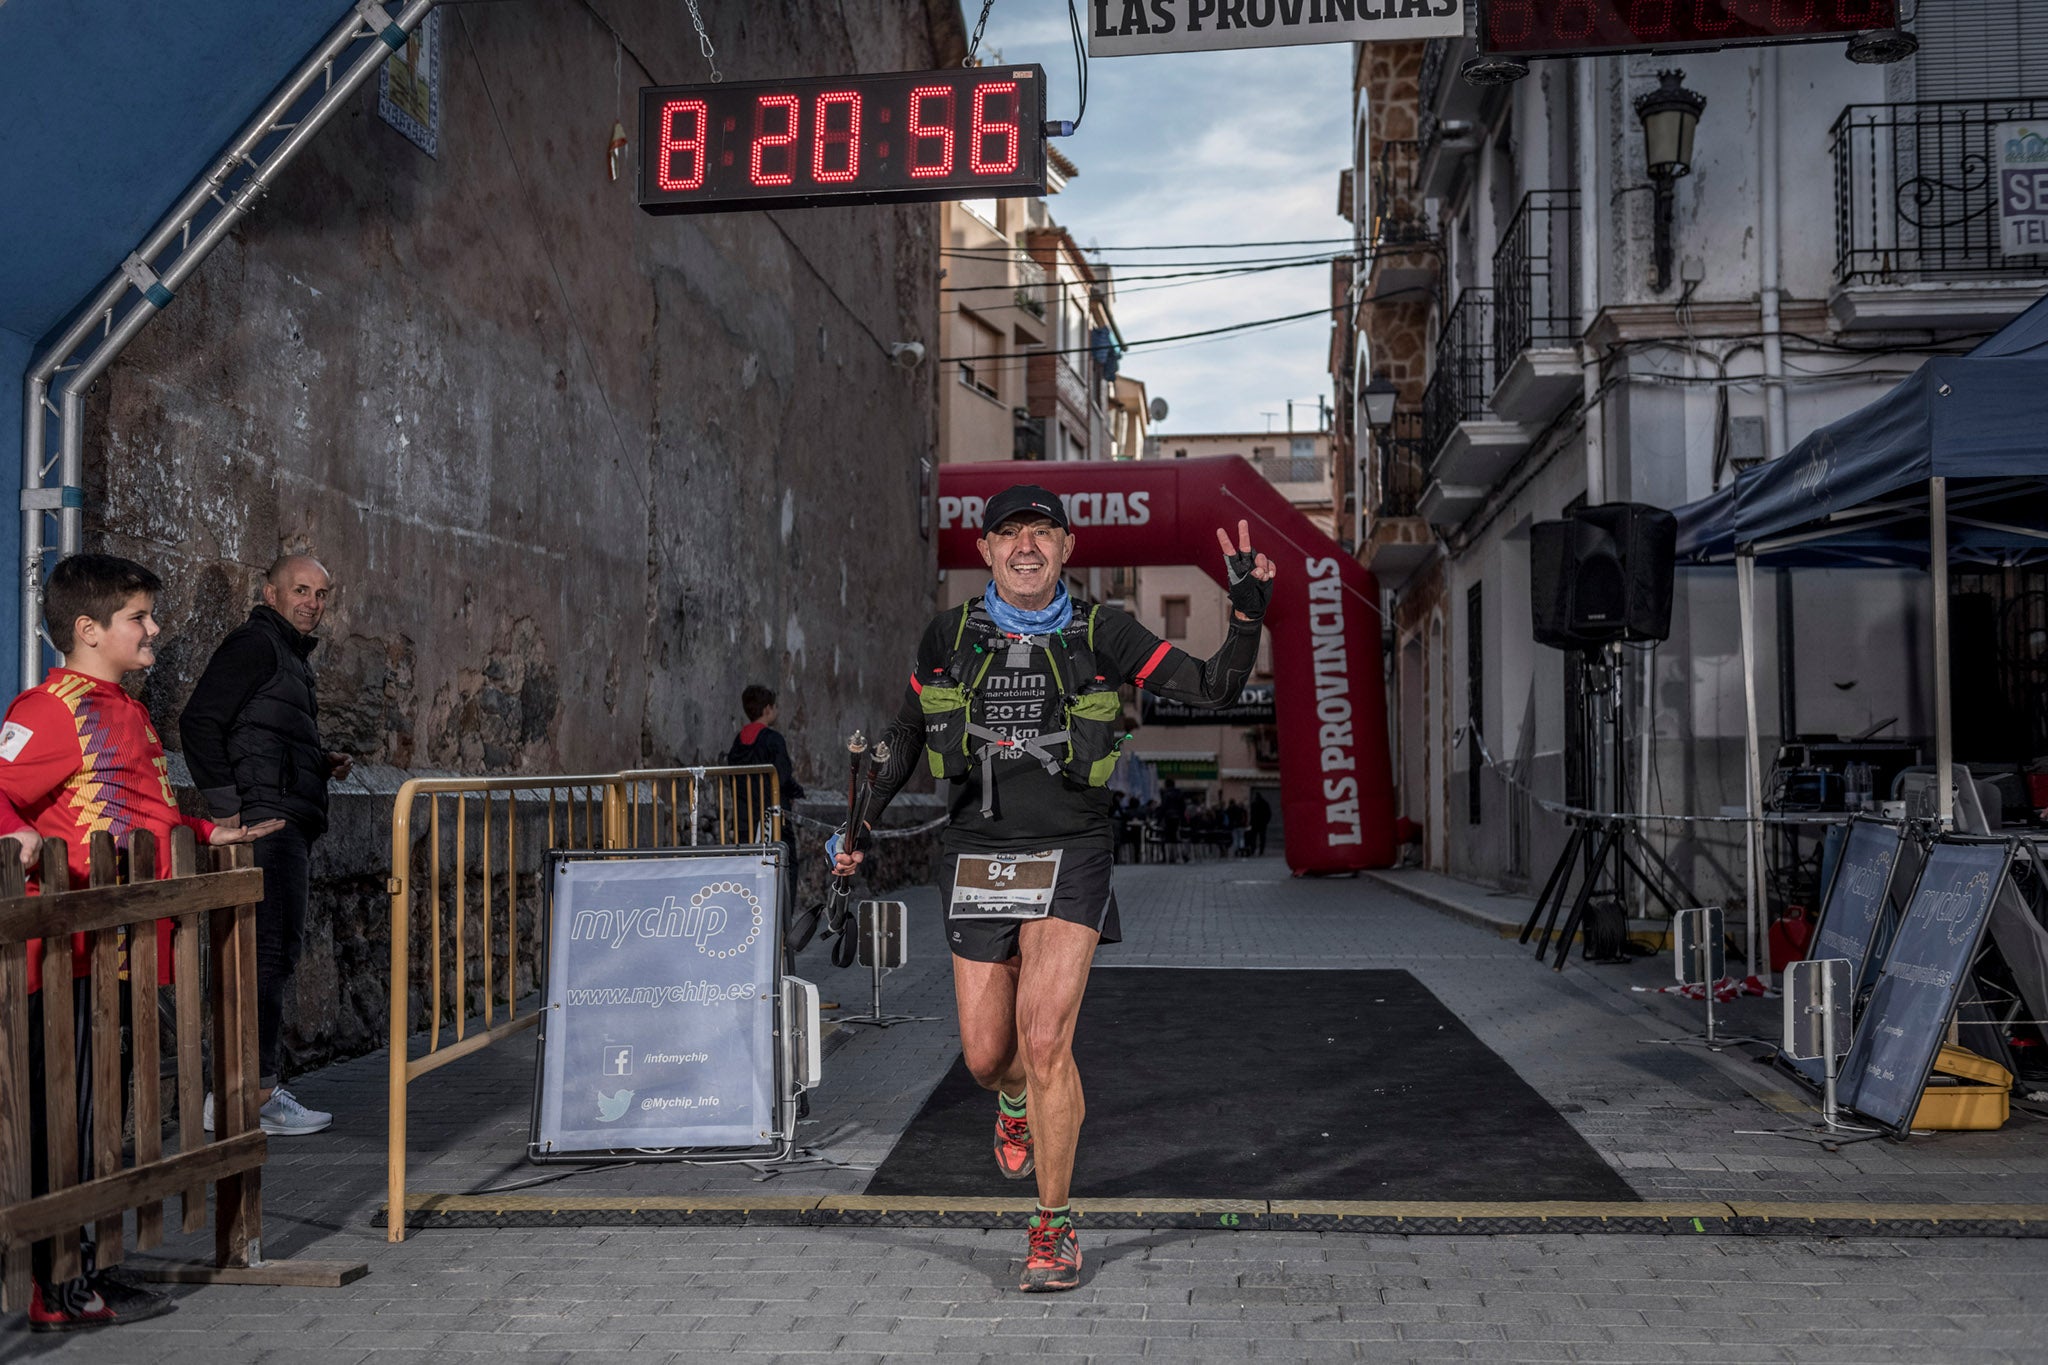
1247 594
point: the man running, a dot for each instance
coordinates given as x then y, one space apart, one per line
1015 699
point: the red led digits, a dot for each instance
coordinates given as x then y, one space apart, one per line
1650 18
1721 24
923 134
765 141
1573 19
824 136
1003 130
699 114
1791 13
1510 21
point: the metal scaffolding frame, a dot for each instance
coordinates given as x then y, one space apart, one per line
148 279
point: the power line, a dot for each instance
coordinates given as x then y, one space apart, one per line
1324 311
1192 246
1169 275
995 255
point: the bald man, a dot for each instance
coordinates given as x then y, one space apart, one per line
252 738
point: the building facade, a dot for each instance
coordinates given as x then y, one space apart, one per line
1559 332
1029 368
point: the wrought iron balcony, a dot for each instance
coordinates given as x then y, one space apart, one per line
1397 211
1463 374
1535 287
1403 459
1916 191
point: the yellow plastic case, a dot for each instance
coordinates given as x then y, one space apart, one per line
1979 1099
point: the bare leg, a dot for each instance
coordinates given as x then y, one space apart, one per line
985 996
1053 972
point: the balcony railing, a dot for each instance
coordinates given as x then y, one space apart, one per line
1463 375
1535 290
1396 195
1030 285
1916 191
1292 468
1427 85
1403 467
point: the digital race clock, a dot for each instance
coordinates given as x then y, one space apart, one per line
1551 28
901 137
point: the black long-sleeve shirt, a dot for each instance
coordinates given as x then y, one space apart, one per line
1035 809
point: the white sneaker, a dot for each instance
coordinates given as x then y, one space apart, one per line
283 1116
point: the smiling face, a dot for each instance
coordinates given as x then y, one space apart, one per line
1027 555
298 592
122 645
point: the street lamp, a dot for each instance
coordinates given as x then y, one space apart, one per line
1380 396
1670 114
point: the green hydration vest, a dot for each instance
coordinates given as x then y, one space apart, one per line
955 739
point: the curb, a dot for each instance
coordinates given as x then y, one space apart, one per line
1803 1221
1443 905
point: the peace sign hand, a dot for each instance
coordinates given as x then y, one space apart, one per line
1251 575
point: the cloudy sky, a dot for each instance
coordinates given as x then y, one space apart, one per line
1241 146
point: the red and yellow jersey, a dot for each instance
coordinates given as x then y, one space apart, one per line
78 755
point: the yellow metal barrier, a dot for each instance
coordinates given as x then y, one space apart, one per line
477 821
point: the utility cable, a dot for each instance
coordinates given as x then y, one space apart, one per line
1188 276
1324 311
1176 246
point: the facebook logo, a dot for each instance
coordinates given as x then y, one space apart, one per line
618 1059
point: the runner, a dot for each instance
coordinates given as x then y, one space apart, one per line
1015 699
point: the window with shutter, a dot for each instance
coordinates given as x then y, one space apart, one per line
1980 49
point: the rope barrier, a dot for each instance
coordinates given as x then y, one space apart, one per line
831 828
1580 812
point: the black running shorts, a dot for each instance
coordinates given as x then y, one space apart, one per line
1081 896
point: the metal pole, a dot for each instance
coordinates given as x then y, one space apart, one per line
1827 1043
1745 593
1944 740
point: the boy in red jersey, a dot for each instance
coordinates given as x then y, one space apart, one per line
79 755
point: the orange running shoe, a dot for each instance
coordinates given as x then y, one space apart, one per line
1013 1146
1053 1262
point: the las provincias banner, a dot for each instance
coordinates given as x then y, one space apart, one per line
1131 28
1336 785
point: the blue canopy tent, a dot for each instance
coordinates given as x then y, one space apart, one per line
1951 466
125 168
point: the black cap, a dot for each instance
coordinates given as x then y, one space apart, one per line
1018 500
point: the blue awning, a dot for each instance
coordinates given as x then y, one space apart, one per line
1854 491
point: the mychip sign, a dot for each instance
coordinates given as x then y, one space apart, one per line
659 1025
1130 28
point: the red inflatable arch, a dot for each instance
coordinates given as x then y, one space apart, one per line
1336 792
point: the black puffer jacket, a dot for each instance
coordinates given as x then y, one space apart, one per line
252 728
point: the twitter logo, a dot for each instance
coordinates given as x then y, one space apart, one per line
612 1108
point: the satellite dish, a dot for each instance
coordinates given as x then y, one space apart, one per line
1158 409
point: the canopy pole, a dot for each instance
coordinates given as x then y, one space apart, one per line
1944 740
1745 596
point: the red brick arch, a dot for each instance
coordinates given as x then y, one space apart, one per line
1336 790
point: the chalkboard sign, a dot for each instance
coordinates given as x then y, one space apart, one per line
1854 920
658 1033
1924 973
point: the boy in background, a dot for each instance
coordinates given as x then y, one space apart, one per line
78 755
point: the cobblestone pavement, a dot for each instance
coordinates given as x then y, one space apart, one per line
1667 1116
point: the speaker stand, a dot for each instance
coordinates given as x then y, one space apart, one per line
1596 852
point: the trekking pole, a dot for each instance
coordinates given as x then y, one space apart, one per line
839 890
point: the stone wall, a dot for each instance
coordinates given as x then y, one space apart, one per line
580 473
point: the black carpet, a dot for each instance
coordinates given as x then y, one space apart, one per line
1272 1085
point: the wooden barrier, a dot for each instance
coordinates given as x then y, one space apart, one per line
215 909
465 915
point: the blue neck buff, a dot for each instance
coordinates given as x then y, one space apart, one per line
1016 621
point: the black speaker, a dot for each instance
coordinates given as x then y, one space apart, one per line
1602 573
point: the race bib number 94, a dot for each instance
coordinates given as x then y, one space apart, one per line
1004 885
